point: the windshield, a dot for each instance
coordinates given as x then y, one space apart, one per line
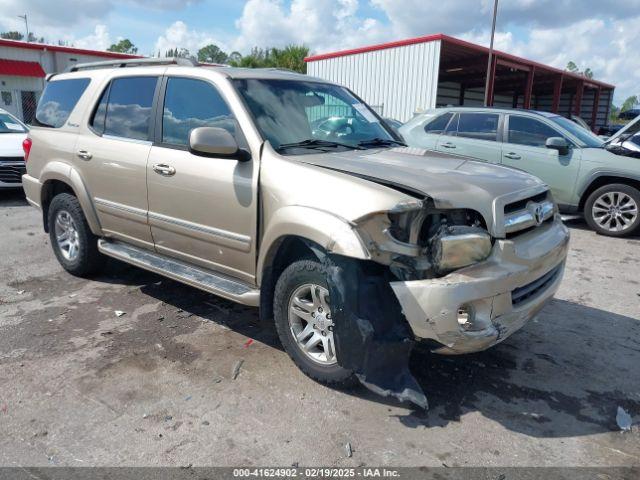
587 139
8 124
303 117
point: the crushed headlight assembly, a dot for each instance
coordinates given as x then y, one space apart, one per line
459 246
418 241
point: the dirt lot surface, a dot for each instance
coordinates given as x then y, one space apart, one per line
82 386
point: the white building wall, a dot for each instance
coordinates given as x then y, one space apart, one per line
395 81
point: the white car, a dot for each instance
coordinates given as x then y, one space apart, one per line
12 166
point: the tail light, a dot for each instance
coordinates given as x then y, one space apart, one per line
26 146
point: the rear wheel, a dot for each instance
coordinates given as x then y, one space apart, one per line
302 312
613 210
75 247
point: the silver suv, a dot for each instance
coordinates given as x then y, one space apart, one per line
283 191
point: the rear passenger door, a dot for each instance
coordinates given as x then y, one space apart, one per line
525 148
202 210
113 153
473 134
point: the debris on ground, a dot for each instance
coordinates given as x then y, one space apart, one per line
187 398
248 342
120 313
21 292
168 418
218 379
623 419
205 423
236 369
348 450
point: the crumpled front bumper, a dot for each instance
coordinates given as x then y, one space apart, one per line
531 264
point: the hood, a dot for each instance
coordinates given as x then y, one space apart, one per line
11 144
450 181
629 129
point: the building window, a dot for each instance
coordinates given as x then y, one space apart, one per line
7 99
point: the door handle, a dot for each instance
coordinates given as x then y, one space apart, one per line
84 155
448 145
512 156
164 169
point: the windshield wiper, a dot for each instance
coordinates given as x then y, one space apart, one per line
317 143
380 142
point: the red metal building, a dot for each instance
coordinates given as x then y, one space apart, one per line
439 70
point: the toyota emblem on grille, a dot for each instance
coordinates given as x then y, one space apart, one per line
538 213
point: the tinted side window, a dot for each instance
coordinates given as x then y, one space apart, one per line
100 114
528 131
190 104
481 126
438 124
129 107
452 128
58 100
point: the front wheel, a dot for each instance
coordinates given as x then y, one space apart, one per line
302 312
613 210
74 245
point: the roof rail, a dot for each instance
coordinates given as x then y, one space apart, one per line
134 62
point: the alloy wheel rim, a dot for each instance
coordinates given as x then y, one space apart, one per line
67 235
615 211
311 323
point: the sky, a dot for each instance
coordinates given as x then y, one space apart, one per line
600 34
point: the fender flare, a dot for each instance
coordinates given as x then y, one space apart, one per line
65 173
593 176
331 232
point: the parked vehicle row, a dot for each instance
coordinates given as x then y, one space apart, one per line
585 174
287 192
12 134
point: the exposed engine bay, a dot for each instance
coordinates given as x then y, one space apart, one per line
419 241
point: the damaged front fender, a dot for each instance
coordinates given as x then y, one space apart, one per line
334 234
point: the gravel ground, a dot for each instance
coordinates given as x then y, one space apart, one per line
80 386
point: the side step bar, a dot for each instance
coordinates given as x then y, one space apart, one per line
208 281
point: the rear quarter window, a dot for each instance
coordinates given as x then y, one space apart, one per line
58 101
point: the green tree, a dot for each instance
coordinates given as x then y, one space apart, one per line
629 103
13 35
123 46
291 57
572 67
212 54
613 113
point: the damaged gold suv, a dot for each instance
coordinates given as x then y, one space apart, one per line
283 191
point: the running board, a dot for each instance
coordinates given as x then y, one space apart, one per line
218 284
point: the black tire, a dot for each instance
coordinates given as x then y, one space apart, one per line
614 187
297 274
88 259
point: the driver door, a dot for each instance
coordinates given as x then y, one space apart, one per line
524 148
202 210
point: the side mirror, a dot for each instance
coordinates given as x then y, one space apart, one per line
558 143
214 142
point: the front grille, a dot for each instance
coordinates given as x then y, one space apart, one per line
527 214
535 288
522 204
11 159
12 173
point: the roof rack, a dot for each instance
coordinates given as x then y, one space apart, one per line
134 62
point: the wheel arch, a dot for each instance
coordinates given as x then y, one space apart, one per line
316 232
602 179
58 178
